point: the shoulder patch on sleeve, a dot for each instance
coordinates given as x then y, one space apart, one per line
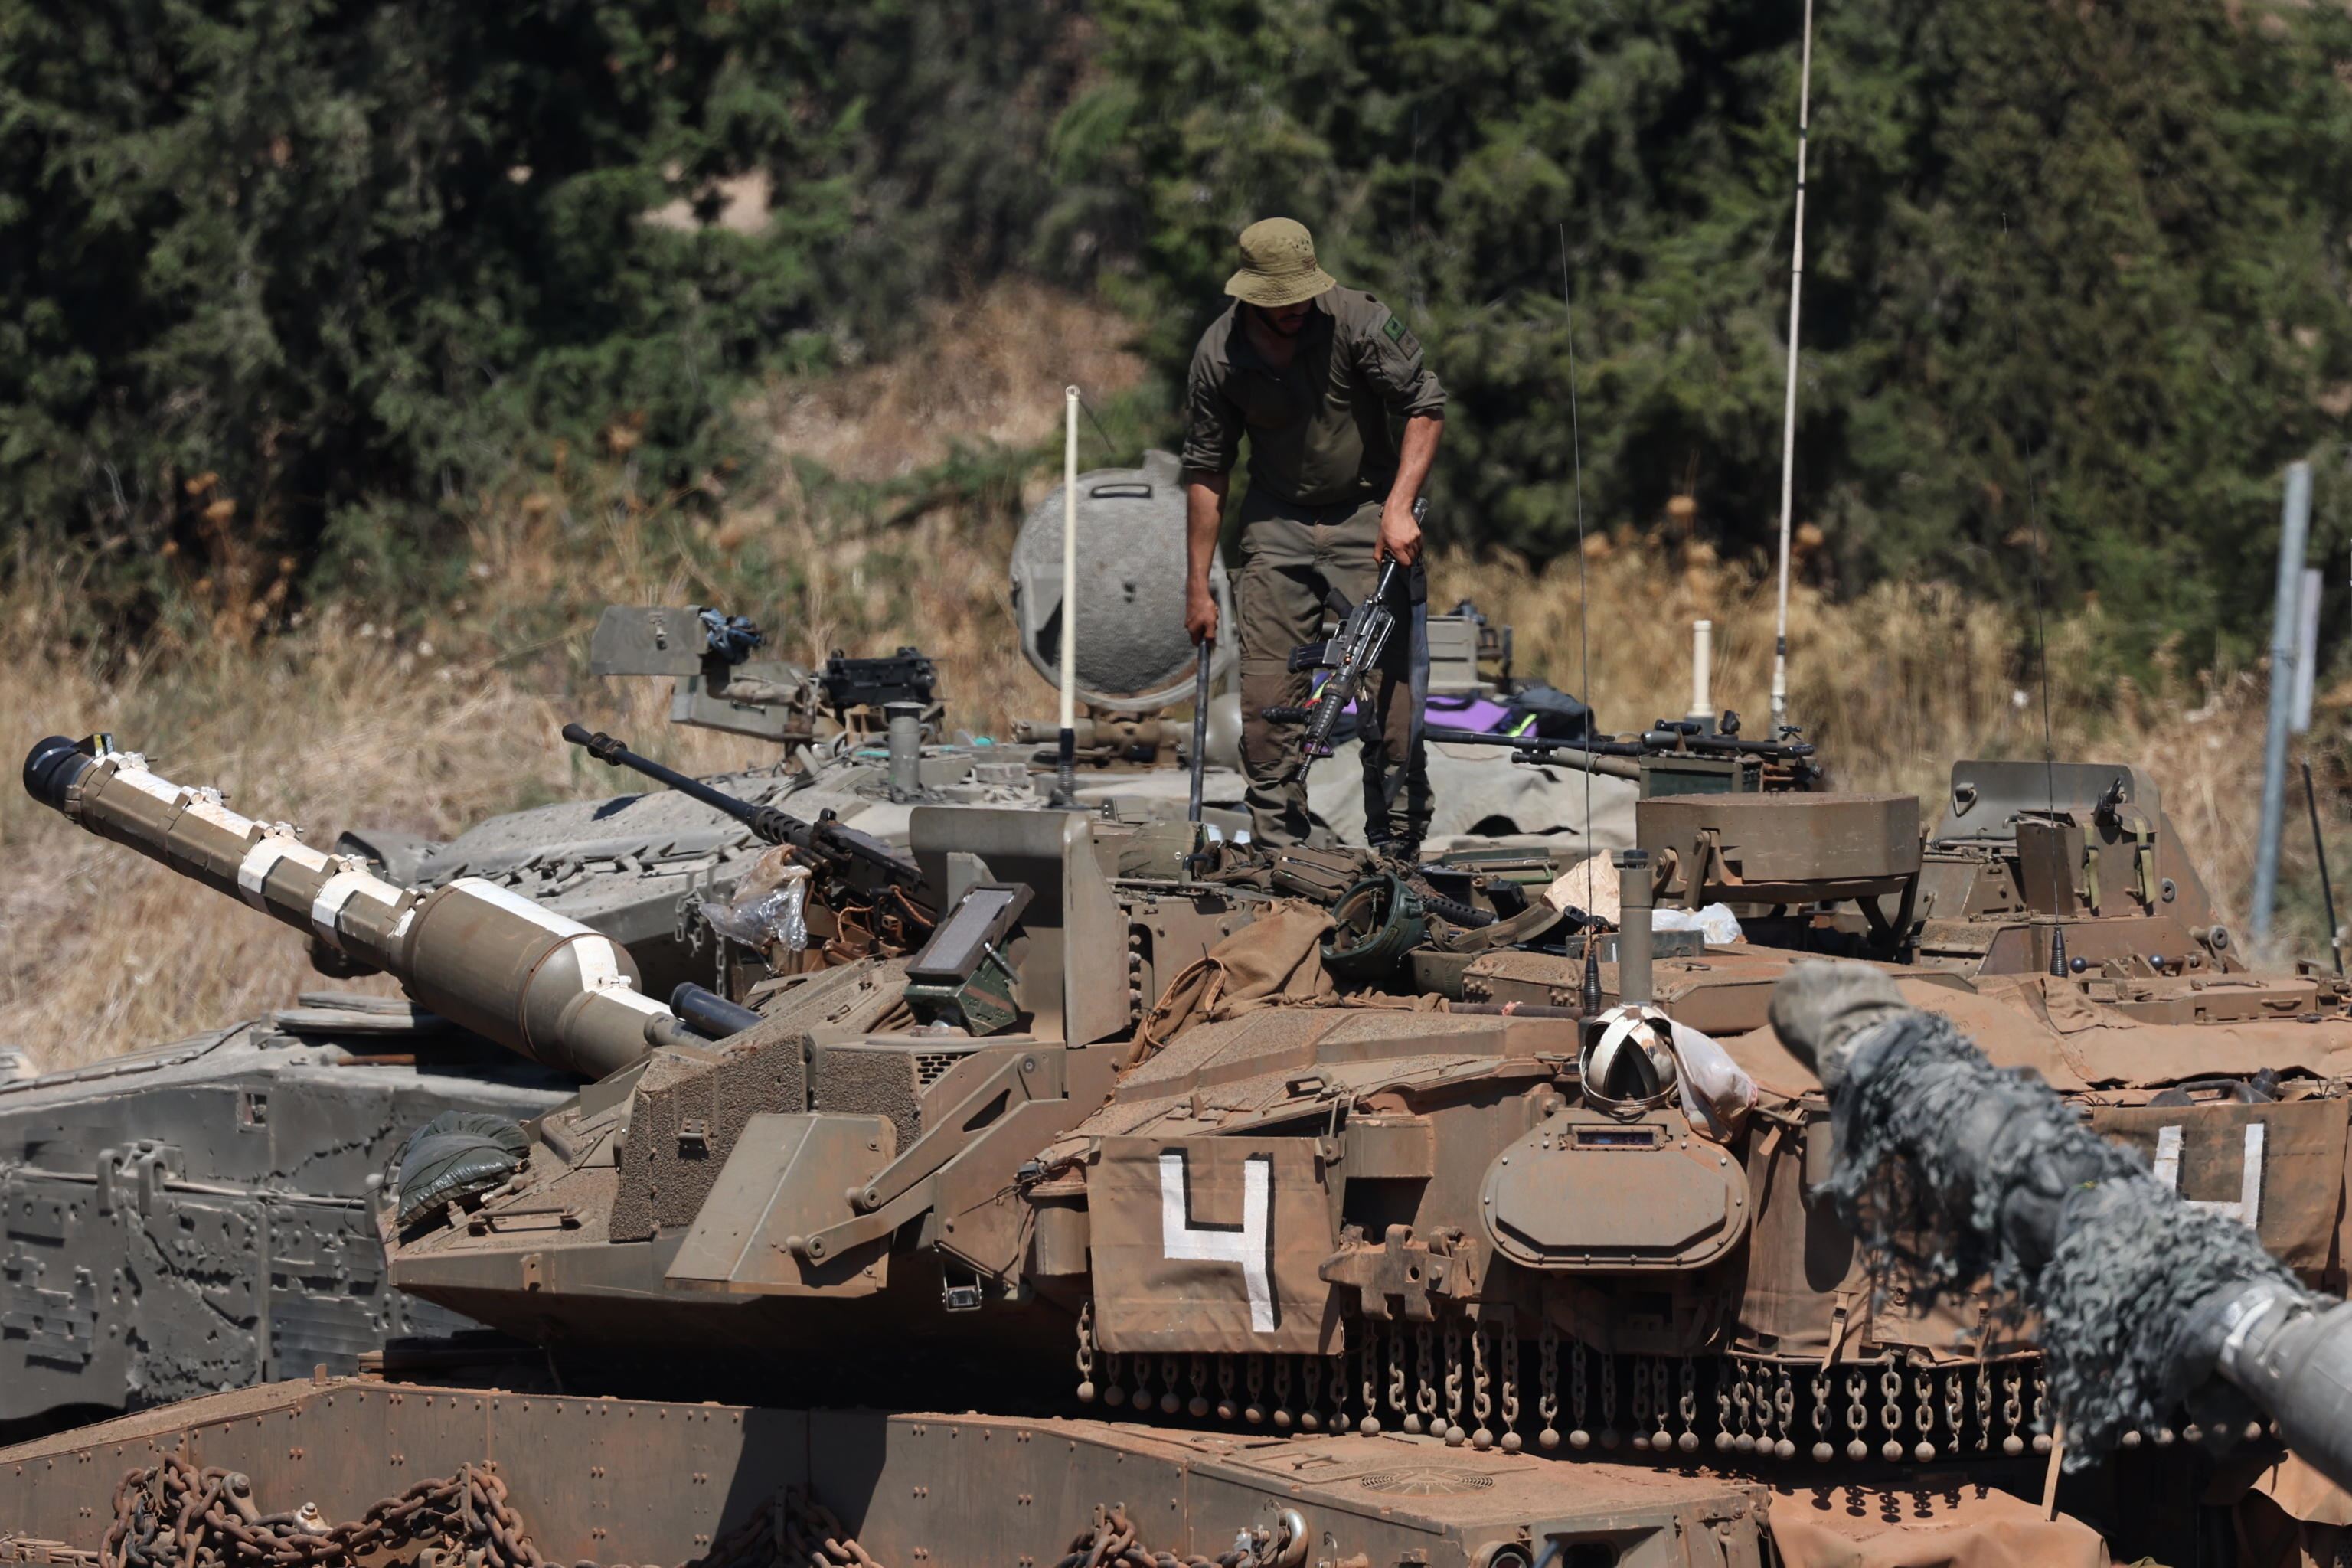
1395 329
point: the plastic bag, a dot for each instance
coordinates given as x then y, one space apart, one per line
1715 922
769 908
456 1155
1717 1092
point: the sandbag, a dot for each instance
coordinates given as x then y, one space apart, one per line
456 1155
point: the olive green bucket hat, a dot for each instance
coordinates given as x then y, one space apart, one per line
1278 264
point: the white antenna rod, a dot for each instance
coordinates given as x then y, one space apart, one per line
1789 406
1702 704
1065 790
1069 559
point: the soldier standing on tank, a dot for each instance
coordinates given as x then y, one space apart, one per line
1343 418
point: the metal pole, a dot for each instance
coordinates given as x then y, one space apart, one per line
2294 527
1200 730
2327 887
905 740
1634 943
1789 402
1066 784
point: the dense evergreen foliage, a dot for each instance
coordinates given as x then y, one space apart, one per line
2099 251
286 276
292 274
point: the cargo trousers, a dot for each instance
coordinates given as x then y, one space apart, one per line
1294 559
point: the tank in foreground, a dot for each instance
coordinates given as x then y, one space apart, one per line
1261 1185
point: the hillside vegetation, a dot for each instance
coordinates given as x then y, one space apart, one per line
286 290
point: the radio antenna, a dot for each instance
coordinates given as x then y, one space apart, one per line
1583 580
2033 510
1789 401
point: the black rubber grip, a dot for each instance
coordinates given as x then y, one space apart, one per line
709 1014
51 768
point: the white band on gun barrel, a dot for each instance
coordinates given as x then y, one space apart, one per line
254 868
514 903
336 891
600 971
206 809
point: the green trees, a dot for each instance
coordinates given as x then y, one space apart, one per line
2102 244
283 276
286 275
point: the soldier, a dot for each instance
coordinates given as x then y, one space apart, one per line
1320 378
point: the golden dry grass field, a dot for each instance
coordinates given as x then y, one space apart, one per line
430 724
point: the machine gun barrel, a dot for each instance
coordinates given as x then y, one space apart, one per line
1610 759
844 848
486 958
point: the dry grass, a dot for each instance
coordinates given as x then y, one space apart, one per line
341 721
993 372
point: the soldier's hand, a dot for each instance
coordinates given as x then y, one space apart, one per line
1200 613
1400 534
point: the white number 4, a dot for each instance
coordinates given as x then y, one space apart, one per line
1249 1245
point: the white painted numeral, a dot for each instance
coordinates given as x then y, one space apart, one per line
2249 1206
1249 1244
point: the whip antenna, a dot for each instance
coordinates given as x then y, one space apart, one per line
1788 403
2033 509
1583 589
1066 742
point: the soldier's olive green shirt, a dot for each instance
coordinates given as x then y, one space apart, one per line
1320 429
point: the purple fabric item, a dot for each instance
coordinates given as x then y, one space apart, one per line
1464 713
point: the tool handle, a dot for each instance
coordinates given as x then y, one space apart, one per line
1200 728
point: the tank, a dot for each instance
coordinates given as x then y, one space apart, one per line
96 1315
1268 1207
198 1215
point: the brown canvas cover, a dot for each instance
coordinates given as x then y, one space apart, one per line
1209 1245
1274 960
1963 1525
2286 1158
1809 1291
2284 1513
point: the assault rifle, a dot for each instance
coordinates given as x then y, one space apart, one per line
838 851
1351 656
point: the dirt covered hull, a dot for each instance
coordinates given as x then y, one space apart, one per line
608 1481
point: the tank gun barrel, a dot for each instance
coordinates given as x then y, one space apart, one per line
844 848
486 958
2145 1301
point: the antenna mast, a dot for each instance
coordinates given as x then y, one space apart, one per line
1788 405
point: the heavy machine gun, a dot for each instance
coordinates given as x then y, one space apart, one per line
1672 756
858 858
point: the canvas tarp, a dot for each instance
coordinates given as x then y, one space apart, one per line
1205 1245
1274 960
1963 1526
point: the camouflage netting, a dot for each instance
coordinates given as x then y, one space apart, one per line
1934 1141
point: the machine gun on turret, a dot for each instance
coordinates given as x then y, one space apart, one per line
842 855
1673 756
708 654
